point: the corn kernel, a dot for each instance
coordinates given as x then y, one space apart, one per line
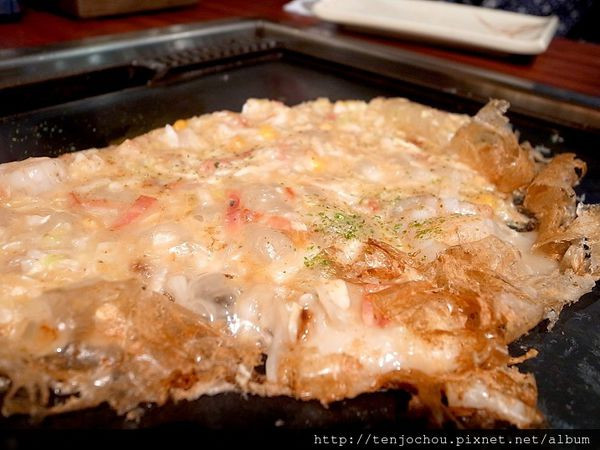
317 164
267 132
180 124
486 199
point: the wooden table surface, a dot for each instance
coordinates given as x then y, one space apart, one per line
566 64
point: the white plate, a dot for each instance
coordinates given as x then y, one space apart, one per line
451 23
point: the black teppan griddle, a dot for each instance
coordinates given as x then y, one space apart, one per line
96 92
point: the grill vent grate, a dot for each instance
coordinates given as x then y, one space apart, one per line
189 58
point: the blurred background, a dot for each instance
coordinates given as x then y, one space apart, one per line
578 18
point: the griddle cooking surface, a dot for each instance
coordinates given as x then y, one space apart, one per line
567 369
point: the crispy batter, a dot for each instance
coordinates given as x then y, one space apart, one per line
426 127
485 267
114 342
377 262
489 146
583 235
552 199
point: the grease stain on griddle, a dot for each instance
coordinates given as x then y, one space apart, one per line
590 375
